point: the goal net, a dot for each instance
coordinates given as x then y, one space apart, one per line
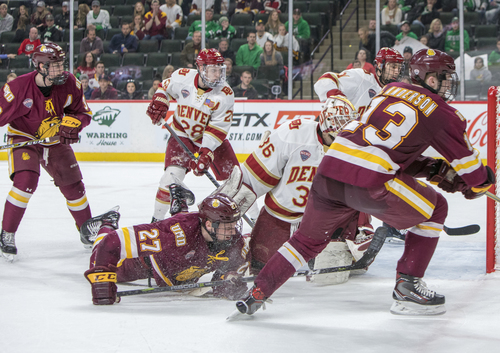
493 208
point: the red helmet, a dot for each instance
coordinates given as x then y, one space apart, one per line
387 55
209 57
50 53
211 67
219 208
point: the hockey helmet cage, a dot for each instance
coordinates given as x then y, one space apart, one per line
211 67
337 112
50 53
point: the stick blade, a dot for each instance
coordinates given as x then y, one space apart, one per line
466 230
376 244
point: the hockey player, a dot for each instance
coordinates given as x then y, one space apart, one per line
176 250
358 85
202 120
42 104
371 167
282 168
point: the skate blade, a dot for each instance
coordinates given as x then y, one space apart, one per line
410 308
235 315
8 257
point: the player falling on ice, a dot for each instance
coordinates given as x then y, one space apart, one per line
42 104
202 120
371 167
282 168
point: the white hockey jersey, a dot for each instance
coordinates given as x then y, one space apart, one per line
283 168
174 15
204 117
358 85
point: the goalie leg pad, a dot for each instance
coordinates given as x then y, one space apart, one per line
335 254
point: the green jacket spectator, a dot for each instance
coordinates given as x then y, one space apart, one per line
224 29
494 57
301 28
452 38
249 54
210 26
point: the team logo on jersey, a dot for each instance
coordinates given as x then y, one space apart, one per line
25 156
49 107
371 93
190 254
304 155
106 116
185 93
209 103
48 127
190 273
28 103
215 203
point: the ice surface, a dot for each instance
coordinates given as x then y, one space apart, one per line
46 302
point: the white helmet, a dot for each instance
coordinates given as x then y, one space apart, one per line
337 112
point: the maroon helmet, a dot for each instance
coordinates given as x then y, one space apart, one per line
47 54
427 61
384 56
211 67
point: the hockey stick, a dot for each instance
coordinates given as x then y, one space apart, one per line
493 196
465 230
27 143
207 173
367 258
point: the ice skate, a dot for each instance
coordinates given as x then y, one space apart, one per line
90 228
412 297
180 198
8 245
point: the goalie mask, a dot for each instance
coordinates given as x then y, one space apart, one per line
53 60
225 216
337 112
211 67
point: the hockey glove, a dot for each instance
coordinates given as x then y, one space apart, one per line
103 282
205 158
69 129
445 177
478 191
233 290
157 109
252 302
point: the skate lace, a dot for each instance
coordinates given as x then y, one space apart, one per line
8 239
111 219
421 287
94 228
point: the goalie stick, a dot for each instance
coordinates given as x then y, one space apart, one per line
367 258
207 173
28 143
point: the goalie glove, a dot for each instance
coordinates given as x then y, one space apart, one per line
205 159
103 282
477 191
69 129
158 108
444 176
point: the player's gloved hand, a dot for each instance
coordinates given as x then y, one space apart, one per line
252 301
69 129
205 158
158 108
234 289
477 191
103 282
445 177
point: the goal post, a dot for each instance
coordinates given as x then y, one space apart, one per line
493 156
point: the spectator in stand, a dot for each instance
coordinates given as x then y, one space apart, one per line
196 6
174 16
480 72
249 54
22 29
138 27
131 92
28 45
270 6
155 22
11 76
491 10
139 9
494 57
424 39
87 91
407 54
435 37
356 64
252 7
62 20
281 42
167 72
231 78
154 87
91 43
105 91
363 56
38 17
191 50
262 36
7 56
405 32
51 33
423 14
210 26
99 18
99 71
87 65
123 42
391 14
224 29
245 88
6 20
225 50
367 40
452 38
23 11
271 57
372 26
81 16
302 32
273 23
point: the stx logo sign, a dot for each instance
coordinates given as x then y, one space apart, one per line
284 116
246 118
